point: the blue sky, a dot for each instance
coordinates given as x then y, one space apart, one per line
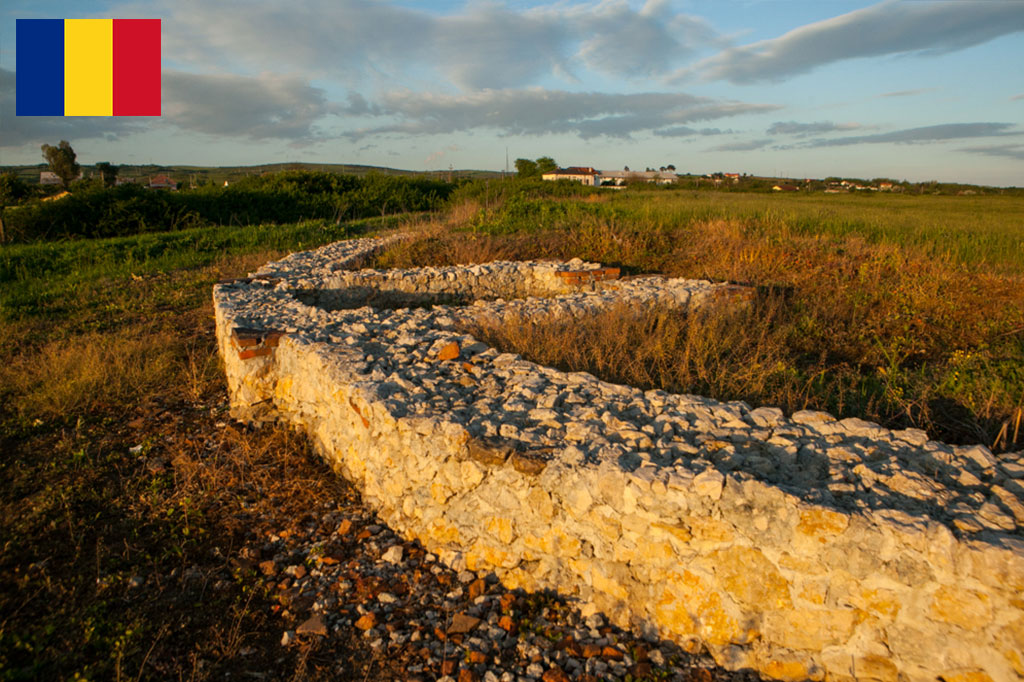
916 90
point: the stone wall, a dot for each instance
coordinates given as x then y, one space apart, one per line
802 547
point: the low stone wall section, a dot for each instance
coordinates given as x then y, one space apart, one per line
803 547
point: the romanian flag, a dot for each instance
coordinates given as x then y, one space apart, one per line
88 67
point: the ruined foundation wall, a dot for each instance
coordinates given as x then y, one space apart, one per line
802 547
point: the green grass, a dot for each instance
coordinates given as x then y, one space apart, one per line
36 278
980 232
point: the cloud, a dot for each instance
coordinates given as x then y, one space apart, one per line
264 107
485 45
256 108
907 93
741 146
1017 97
888 28
805 129
20 131
937 133
684 131
1012 151
620 40
537 111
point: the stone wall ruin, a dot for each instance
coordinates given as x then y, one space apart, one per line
804 547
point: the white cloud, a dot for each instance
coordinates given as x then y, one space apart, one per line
805 129
1010 151
936 133
483 46
907 93
748 146
891 27
256 108
537 111
269 106
686 131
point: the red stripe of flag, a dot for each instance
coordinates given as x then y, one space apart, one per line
136 67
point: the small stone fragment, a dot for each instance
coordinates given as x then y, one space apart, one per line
710 483
393 555
449 352
555 674
462 623
317 625
367 621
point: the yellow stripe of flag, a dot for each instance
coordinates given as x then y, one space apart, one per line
88 67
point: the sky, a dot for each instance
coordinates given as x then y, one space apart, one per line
906 89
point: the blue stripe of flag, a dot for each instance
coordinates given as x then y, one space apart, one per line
39 67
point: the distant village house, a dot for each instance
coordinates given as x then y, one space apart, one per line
51 178
162 182
608 178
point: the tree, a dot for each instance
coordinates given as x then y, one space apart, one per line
12 189
62 162
109 173
526 168
546 164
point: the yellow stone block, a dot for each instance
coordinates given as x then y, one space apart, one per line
873 667
813 592
441 533
283 388
656 552
821 525
501 528
717 627
709 530
965 676
801 564
472 475
609 586
788 670
750 578
678 532
1016 659
881 602
540 504
606 524
810 629
670 612
1013 635
555 542
439 492
715 624
969 609
483 555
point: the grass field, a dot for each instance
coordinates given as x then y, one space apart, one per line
119 460
120 464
